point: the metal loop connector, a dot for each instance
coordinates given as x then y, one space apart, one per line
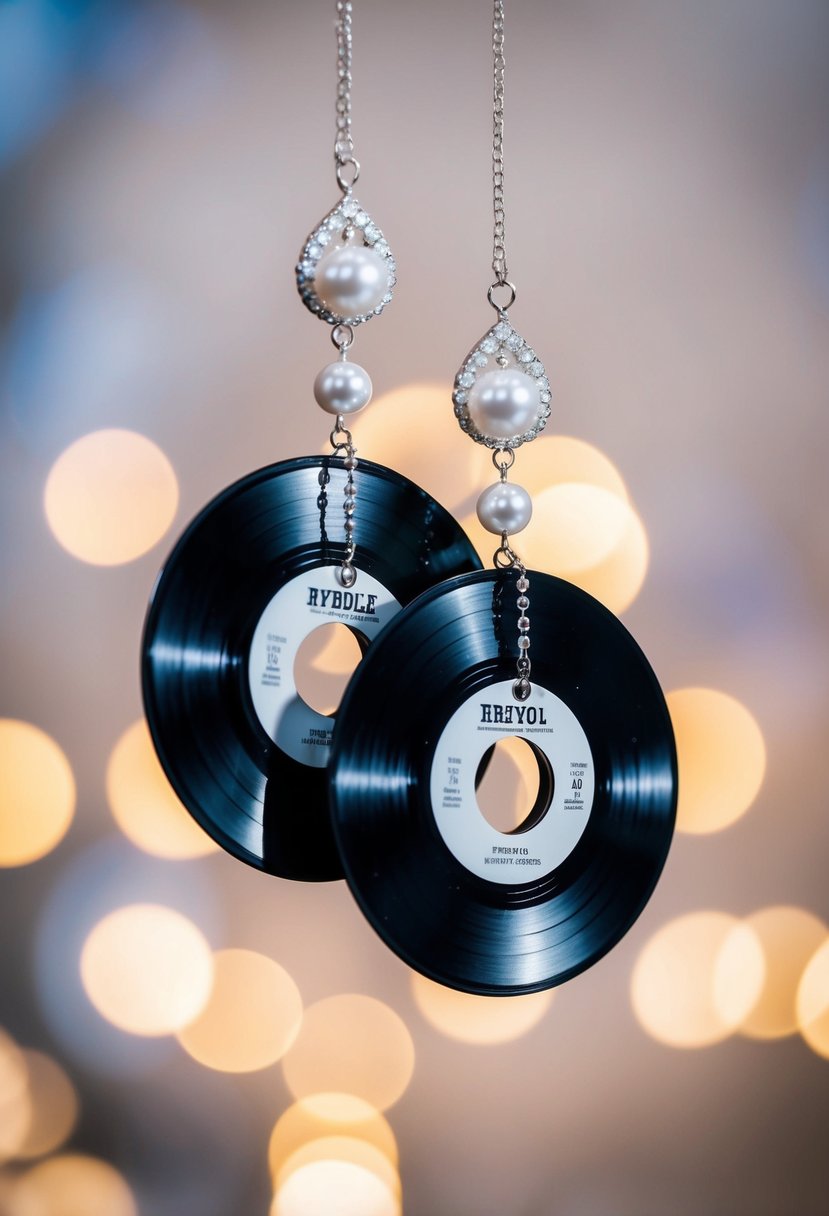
348 172
503 459
342 336
501 308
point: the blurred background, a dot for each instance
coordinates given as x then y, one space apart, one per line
183 1035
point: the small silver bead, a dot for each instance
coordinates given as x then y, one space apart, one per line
522 602
523 584
351 462
523 623
349 525
523 642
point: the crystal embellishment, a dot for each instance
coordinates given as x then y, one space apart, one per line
347 224
501 349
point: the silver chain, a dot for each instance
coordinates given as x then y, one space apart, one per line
499 253
344 144
342 444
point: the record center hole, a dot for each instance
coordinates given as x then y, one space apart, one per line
325 662
514 785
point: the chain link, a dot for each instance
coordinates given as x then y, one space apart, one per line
342 445
344 143
499 253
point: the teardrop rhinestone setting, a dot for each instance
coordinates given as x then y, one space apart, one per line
348 217
501 349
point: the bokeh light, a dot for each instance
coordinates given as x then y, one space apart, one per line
37 801
721 758
144 804
574 527
320 1116
72 1185
147 969
336 1187
252 1016
95 881
352 1044
54 1106
789 936
584 528
813 1001
682 993
324 663
341 1148
15 1100
475 1019
401 428
509 785
739 974
615 581
110 496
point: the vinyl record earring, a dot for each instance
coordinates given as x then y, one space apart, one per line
286 550
481 658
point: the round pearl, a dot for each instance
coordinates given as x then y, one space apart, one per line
352 280
342 388
504 403
504 507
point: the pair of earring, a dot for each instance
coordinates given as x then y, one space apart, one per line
386 794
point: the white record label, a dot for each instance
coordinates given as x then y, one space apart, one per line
308 601
544 721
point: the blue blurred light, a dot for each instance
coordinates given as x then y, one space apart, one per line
37 39
96 350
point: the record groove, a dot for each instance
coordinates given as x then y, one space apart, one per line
468 906
238 582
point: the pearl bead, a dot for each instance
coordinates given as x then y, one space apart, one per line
342 388
352 280
504 403
504 507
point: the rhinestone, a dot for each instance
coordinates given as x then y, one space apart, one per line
515 342
527 355
466 379
480 360
502 331
544 398
544 384
314 250
536 368
489 346
460 397
350 208
361 219
371 234
323 236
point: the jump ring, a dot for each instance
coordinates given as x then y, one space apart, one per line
501 308
342 336
342 179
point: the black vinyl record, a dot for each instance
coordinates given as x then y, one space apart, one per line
475 908
253 574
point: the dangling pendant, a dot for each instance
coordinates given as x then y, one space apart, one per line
346 272
502 394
